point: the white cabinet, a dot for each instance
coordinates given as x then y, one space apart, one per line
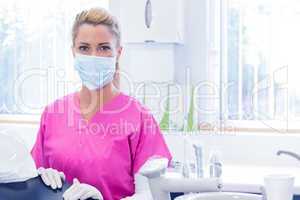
148 62
159 21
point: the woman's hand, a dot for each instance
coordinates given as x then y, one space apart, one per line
82 191
52 177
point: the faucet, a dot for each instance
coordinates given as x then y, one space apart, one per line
290 153
199 160
215 166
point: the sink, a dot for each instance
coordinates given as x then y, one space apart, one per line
220 196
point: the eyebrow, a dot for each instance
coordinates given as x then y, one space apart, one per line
84 43
104 43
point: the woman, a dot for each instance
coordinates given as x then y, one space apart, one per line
99 138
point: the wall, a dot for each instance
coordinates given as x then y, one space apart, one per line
201 55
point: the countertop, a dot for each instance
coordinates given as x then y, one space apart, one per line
251 178
248 179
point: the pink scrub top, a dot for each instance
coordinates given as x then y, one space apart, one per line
104 152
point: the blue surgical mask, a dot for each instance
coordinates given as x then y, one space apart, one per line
94 71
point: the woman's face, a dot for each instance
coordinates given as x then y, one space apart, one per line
96 41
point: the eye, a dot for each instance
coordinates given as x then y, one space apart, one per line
83 48
104 48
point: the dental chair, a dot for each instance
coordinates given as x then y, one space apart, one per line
32 189
18 176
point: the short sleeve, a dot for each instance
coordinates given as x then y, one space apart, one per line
37 151
148 143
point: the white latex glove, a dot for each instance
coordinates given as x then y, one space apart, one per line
52 177
81 191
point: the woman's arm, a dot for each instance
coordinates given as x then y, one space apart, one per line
150 155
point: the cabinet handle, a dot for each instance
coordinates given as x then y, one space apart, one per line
148 14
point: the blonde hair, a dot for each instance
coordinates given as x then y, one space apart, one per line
97 16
